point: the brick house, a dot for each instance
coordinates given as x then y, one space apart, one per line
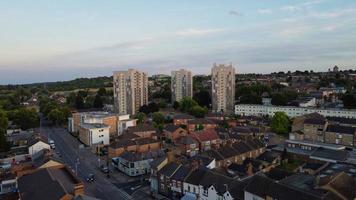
173 132
337 134
201 123
314 129
207 139
182 119
140 145
236 152
187 145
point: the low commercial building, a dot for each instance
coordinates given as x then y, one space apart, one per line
262 110
124 122
106 118
94 134
135 163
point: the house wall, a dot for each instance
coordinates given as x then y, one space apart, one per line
38 147
250 196
148 147
112 122
123 125
190 188
261 110
314 133
342 139
100 135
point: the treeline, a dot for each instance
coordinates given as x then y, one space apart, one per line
79 83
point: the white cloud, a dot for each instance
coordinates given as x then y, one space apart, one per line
264 11
198 32
294 32
335 13
236 13
300 6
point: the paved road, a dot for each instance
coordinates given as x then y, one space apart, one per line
68 146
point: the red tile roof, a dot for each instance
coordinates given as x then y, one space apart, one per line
205 135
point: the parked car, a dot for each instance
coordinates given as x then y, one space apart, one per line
90 178
104 169
51 144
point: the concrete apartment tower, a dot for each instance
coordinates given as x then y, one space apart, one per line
181 84
130 91
223 88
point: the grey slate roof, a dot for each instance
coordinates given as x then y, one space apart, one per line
341 129
195 176
40 186
169 169
330 154
171 127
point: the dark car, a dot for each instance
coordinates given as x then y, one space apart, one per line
90 178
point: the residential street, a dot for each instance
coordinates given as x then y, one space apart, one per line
70 153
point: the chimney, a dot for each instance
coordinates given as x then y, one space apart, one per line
249 170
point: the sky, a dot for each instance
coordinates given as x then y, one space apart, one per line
51 40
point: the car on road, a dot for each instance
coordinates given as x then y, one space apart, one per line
51 144
90 178
135 187
104 169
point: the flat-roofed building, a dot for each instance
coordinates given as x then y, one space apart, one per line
98 117
94 134
291 111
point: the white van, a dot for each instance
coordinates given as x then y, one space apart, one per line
51 144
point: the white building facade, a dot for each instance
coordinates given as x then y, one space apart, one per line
262 110
94 134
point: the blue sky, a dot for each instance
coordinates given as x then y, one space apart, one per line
48 40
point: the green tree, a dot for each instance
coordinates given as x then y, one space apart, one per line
199 127
203 98
280 123
4 145
150 108
3 120
79 102
349 101
26 118
198 111
279 99
56 116
98 102
187 103
140 117
250 99
176 105
158 118
101 91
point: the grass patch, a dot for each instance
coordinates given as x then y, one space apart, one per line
290 166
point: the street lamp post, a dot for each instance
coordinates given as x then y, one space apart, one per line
76 166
